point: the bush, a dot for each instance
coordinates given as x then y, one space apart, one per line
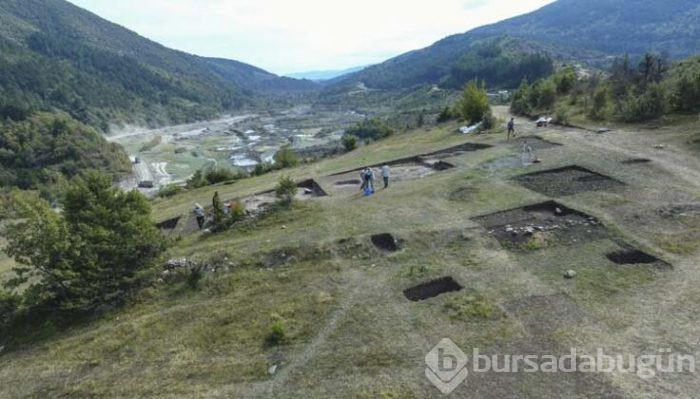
520 104
213 175
197 180
475 103
349 142
155 142
286 191
276 335
651 104
599 106
371 129
170 190
444 115
216 175
546 94
488 121
263 168
286 158
565 80
561 115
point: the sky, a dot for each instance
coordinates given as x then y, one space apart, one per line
287 36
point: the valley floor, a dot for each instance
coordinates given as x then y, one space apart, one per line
349 329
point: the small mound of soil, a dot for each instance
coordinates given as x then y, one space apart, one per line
432 289
385 242
635 161
631 257
355 182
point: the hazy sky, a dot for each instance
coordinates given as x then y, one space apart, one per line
285 36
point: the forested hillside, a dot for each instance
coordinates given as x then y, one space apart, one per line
586 31
58 56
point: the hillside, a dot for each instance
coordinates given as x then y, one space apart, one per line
610 26
321 276
567 30
59 56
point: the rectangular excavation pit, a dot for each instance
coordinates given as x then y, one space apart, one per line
432 289
169 225
544 224
536 143
636 161
427 160
311 187
456 150
631 256
566 181
385 242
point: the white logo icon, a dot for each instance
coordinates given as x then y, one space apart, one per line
446 366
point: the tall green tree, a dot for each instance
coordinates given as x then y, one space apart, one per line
88 255
475 102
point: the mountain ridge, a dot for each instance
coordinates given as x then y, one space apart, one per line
567 29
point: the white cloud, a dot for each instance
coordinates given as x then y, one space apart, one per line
286 36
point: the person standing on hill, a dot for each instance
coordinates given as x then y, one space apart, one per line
370 173
364 176
200 215
511 128
386 172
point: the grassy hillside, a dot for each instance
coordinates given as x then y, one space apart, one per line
312 278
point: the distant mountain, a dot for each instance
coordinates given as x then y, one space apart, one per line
610 26
566 30
319 76
55 55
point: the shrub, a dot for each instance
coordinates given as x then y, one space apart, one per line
197 180
263 168
276 335
649 105
444 115
371 129
155 142
170 190
520 104
349 142
565 80
286 158
488 121
218 175
475 103
286 190
561 115
599 106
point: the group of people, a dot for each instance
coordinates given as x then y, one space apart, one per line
367 177
203 217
